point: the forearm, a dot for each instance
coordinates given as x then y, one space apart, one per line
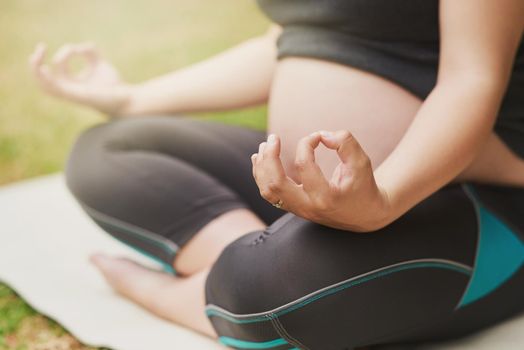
236 78
450 128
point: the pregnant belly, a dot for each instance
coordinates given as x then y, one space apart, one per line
308 95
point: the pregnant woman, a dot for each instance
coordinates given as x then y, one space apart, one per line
385 204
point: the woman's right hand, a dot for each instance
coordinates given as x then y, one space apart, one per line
98 85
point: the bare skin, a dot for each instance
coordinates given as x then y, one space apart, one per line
340 108
304 95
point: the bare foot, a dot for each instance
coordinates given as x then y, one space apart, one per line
180 300
129 278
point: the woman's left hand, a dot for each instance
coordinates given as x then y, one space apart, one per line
351 200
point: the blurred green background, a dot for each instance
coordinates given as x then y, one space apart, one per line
143 39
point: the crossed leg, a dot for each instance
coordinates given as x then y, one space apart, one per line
179 299
177 189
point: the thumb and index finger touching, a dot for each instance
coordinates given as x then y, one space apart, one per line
349 150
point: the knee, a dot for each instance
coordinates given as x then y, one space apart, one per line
232 282
244 278
236 287
251 280
84 166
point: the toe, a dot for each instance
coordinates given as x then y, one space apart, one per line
128 277
117 271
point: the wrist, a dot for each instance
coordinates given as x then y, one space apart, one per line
379 214
389 194
385 213
127 96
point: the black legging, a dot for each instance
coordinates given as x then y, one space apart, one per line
448 267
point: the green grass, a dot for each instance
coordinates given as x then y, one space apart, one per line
22 328
13 311
143 39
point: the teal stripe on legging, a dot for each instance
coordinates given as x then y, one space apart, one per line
104 219
167 268
244 344
500 254
385 272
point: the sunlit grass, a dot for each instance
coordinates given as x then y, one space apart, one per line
143 39
21 327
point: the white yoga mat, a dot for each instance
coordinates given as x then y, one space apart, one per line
45 240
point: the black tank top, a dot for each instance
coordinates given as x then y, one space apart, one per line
398 40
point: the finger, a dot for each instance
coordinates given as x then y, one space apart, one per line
36 61
89 51
270 171
253 162
270 175
272 156
267 173
260 155
58 87
309 172
348 149
63 56
273 146
61 59
291 195
37 57
40 70
48 81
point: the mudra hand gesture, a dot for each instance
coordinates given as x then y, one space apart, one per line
98 85
350 200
